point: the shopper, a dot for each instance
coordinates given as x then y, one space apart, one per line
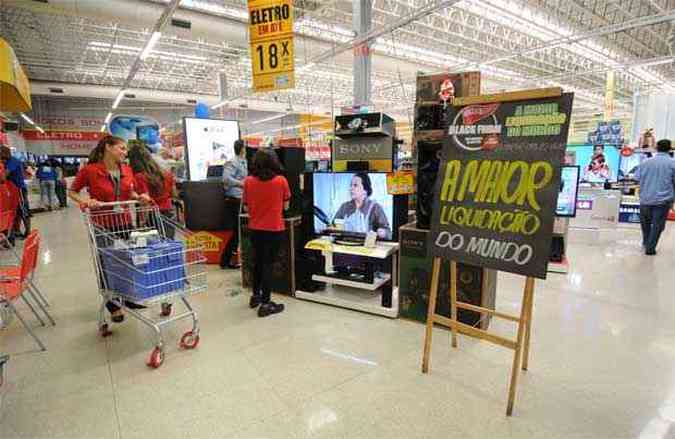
234 173
152 180
61 185
107 179
657 192
15 174
266 195
46 175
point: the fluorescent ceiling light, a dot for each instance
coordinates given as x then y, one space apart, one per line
27 119
151 45
118 100
132 50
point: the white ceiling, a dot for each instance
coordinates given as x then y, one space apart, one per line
515 43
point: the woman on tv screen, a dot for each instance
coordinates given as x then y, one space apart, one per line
598 169
361 214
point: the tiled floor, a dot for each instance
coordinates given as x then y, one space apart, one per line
602 364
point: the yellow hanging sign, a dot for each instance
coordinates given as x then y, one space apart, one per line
271 44
14 85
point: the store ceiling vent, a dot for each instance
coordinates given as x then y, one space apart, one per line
129 96
56 90
192 101
181 23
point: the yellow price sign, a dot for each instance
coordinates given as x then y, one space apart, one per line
401 183
269 19
273 64
271 38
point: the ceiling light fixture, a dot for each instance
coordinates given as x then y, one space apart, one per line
118 100
151 45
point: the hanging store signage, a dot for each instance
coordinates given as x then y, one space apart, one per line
271 44
498 184
14 85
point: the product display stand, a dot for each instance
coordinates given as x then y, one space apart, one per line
561 227
521 346
379 296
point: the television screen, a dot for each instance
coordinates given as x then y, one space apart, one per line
567 197
208 142
599 163
353 202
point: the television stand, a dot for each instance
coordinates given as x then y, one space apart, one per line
379 296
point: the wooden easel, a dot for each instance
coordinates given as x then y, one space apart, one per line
521 345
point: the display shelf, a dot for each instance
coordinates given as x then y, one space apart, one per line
358 300
368 286
382 251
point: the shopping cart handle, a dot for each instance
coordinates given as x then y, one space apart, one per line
118 203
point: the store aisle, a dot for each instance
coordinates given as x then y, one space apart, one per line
602 365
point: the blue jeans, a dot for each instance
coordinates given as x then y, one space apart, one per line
653 222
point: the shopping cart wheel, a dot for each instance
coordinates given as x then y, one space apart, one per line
189 340
156 358
166 310
104 330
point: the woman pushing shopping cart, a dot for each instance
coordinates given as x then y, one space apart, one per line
140 256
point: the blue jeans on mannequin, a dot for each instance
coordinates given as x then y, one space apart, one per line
653 222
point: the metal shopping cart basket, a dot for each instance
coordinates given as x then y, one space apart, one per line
143 258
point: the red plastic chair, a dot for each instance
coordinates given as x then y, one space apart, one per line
13 286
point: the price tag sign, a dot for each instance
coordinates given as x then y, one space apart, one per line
271 44
400 183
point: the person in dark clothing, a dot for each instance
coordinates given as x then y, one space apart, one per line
266 195
657 193
234 173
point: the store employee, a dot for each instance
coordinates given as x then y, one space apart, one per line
234 173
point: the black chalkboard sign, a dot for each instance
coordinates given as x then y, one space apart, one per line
497 187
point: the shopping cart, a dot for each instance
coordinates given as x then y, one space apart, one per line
143 258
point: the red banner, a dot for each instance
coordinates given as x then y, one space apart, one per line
63 135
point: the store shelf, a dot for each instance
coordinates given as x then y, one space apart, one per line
379 282
357 300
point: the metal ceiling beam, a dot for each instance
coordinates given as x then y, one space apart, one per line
421 12
606 30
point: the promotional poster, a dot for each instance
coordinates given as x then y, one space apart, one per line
497 188
208 142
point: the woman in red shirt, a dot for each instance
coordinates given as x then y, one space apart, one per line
107 179
266 195
151 180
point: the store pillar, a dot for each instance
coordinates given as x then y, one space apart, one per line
362 20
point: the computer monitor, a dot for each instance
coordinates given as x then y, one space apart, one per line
208 142
569 191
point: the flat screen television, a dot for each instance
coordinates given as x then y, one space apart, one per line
353 202
569 191
598 163
208 142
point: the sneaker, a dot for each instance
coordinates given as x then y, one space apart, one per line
270 308
254 302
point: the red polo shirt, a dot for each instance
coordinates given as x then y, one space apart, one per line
96 178
163 198
265 202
